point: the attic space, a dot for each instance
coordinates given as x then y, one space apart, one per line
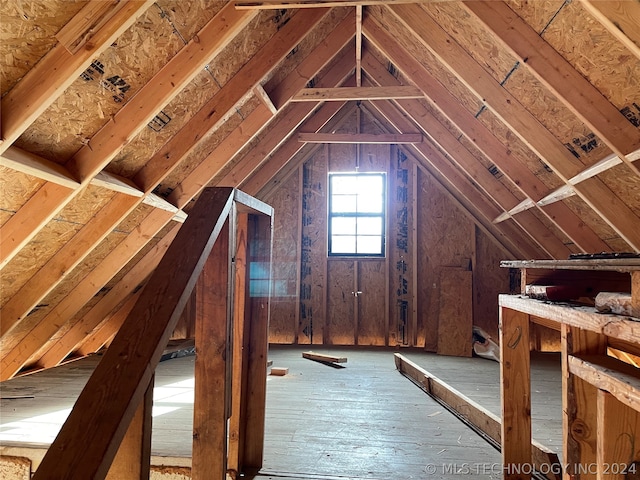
226 184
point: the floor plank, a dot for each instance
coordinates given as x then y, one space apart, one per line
364 421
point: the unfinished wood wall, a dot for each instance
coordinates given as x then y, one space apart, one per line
441 273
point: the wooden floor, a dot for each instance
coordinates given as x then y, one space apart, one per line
364 421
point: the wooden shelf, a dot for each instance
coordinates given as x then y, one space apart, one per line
601 395
609 374
611 325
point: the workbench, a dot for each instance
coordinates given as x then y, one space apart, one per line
600 374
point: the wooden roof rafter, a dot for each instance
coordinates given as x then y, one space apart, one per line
243 133
560 77
594 192
511 237
464 160
620 18
476 132
134 116
95 27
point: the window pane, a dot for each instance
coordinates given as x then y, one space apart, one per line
370 185
343 244
370 244
341 184
369 203
343 226
343 203
369 226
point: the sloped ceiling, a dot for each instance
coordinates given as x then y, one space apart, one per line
115 115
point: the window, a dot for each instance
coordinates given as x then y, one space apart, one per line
356 214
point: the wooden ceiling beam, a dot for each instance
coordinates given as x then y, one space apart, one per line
469 165
291 154
360 138
47 202
502 156
593 191
559 76
59 68
342 94
36 166
620 17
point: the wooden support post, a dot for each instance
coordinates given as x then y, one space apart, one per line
260 235
133 460
91 436
240 335
515 389
618 432
635 293
209 458
579 404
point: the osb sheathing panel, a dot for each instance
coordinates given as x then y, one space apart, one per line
472 36
596 54
372 326
554 115
624 184
302 50
148 141
489 280
286 238
28 33
188 18
538 13
593 221
51 238
446 240
15 468
314 312
16 189
88 104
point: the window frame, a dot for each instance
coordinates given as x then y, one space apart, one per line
382 215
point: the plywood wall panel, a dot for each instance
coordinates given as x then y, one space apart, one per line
456 312
489 280
446 240
340 303
313 261
284 301
372 326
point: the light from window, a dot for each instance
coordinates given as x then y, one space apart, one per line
356 214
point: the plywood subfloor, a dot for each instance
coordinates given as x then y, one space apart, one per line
364 421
